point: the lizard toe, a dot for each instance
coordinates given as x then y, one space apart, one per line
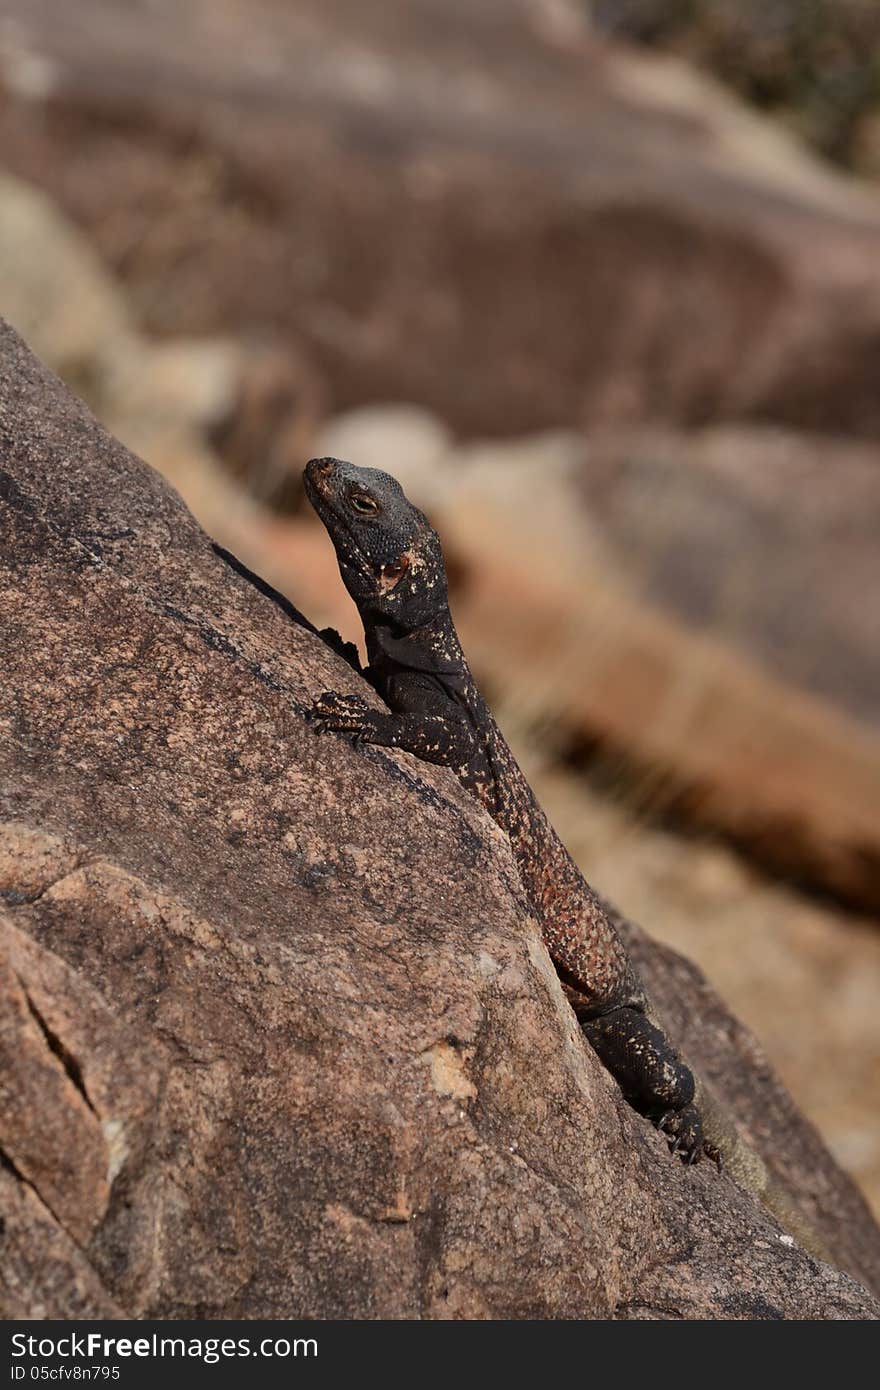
340 714
684 1131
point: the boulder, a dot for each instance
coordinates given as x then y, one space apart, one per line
475 208
279 1035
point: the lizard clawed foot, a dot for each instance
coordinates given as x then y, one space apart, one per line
341 714
684 1131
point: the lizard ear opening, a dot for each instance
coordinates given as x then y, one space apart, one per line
391 575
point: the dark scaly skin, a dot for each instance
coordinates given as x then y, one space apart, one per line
392 565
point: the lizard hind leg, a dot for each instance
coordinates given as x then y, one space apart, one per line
651 1076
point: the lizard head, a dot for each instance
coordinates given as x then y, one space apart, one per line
389 555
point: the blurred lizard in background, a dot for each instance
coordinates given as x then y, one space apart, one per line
392 565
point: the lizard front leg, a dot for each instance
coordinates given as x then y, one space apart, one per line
435 738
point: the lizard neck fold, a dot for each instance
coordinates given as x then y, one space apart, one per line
431 646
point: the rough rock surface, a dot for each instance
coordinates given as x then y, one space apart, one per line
278 1036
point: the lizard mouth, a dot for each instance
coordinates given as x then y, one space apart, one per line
318 476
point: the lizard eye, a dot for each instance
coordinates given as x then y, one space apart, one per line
363 504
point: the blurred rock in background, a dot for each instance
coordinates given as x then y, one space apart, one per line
814 63
617 332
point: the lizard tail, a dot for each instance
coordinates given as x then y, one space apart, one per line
751 1172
